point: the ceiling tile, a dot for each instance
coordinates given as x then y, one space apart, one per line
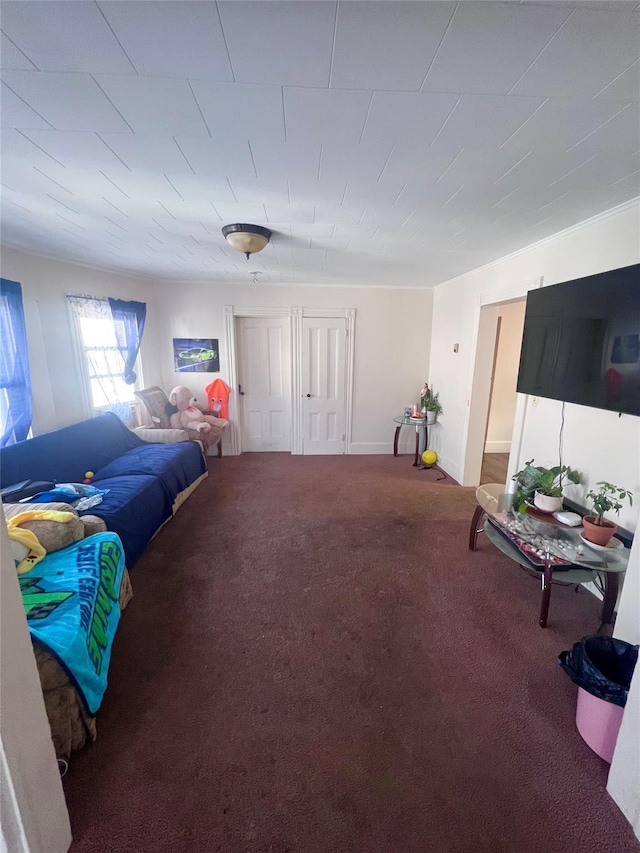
146 152
66 101
288 44
241 111
287 160
155 104
325 115
407 118
171 39
624 87
387 46
215 158
566 68
561 123
11 57
489 46
62 36
486 121
15 113
75 149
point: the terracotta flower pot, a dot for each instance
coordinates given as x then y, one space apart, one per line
599 534
547 503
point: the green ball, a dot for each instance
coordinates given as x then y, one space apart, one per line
429 457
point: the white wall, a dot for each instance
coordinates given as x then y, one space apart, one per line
56 385
34 813
502 405
599 444
392 332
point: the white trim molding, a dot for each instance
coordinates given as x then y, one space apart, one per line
295 315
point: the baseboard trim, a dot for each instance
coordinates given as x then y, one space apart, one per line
378 448
449 467
497 447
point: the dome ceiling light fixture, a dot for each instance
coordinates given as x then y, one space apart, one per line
247 239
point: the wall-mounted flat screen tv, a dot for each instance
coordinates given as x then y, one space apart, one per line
581 342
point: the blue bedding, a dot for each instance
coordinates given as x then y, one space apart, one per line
143 479
177 465
134 507
65 455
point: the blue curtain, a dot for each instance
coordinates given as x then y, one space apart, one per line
15 382
128 318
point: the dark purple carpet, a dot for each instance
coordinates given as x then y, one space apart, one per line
314 662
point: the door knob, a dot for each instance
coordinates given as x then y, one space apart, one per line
308 395
240 391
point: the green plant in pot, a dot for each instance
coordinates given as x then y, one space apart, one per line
596 527
430 404
542 486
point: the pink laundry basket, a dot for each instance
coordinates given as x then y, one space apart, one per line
599 723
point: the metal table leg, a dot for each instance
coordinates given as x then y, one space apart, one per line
395 440
546 594
610 597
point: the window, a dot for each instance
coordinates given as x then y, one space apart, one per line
104 336
15 381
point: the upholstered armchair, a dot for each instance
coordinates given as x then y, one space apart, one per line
159 410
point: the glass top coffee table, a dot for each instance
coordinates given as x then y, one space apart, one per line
557 554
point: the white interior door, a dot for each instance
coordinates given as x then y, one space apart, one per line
324 348
264 377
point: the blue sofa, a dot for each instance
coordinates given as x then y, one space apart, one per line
146 482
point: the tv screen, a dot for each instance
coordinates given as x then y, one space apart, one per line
581 342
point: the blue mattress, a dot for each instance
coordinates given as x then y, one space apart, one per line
177 465
143 484
135 507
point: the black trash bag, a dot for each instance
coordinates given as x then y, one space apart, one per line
602 666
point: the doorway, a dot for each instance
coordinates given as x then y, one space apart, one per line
324 386
493 395
264 383
291 374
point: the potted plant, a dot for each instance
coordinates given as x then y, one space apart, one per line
596 527
542 485
430 404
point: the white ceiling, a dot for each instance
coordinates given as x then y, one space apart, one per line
385 143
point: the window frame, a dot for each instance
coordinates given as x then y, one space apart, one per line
83 367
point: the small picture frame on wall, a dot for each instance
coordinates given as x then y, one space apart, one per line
196 355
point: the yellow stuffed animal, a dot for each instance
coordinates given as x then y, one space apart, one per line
35 532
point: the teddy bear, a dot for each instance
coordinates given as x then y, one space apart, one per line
189 415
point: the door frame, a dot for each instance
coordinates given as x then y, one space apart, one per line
470 477
295 315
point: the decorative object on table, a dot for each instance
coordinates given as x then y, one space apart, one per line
597 528
430 404
407 412
542 486
429 458
189 416
610 548
218 398
196 355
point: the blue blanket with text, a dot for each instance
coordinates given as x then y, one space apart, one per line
71 599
